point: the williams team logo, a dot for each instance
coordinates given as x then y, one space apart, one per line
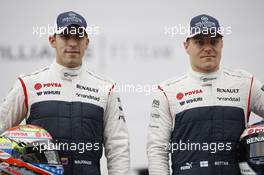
189 101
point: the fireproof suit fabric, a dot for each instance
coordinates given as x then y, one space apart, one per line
78 108
198 119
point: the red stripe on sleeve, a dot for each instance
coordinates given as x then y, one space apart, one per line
160 88
25 92
110 90
249 96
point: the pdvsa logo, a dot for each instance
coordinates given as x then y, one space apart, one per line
38 86
180 95
255 130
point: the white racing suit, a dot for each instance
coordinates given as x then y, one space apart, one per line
81 110
198 119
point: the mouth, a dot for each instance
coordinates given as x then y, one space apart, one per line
208 56
72 51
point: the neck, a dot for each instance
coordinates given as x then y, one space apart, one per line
205 71
70 65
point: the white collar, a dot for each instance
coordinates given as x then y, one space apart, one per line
65 72
205 77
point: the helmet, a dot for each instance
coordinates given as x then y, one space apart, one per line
28 149
251 150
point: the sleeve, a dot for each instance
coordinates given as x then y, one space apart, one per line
159 133
13 109
116 139
257 98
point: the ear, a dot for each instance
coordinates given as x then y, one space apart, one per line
52 41
87 42
186 45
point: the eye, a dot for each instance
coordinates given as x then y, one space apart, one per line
199 42
65 36
214 41
80 35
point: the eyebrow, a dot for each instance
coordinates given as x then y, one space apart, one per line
197 38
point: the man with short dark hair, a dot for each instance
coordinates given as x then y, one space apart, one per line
199 117
81 110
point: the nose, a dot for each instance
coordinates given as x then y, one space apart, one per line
208 47
72 42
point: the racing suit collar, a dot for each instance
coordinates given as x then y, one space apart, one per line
205 77
65 72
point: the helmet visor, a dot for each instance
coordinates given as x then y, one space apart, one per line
252 146
41 152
